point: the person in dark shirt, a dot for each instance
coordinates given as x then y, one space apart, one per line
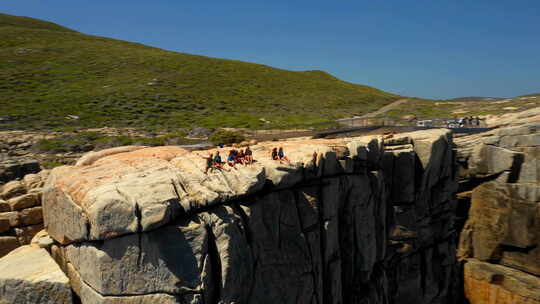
218 163
231 159
209 163
240 157
248 155
274 154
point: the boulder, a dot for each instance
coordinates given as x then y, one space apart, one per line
4 206
495 284
169 260
524 260
4 225
519 130
29 275
529 169
496 218
148 225
25 234
7 244
24 201
487 159
12 217
43 240
32 181
112 196
88 295
31 216
14 169
530 140
12 189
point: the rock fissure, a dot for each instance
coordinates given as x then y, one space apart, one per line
215 260
376 226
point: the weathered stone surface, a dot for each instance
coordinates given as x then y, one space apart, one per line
90 157
530 140
29 275
504 220
12 217
12 189
495 284
497 219
24 201
167 260
7 244
32 181
17 169
63 219
399 167
31 216
487 159
519 130
25 234
42 239
90 296
149 226
525 260
529 117
120 184
529 171
4 206
4 225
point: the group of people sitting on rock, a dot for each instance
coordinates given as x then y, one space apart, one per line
243 157
278 154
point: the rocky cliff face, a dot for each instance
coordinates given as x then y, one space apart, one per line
20 203
358 221
500 240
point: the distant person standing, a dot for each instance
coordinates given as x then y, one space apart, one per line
248 155
209 163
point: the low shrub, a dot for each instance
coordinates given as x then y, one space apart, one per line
226 137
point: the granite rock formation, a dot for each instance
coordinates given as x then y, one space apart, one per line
29 275
353 220
500 240
21 214
358 220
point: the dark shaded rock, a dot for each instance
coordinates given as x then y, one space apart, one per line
17 169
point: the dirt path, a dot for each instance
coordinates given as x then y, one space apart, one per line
384 109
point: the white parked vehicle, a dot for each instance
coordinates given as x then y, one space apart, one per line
424 123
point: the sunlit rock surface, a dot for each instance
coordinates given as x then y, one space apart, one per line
500 239
357 220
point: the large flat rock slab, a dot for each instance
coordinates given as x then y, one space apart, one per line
129 190
495 284
147 225
29 275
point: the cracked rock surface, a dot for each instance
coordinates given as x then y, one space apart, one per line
355 220
500 241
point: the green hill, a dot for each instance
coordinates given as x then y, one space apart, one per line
48 72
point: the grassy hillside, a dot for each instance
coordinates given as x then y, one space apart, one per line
48 72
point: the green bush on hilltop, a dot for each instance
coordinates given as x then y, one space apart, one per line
87 141
226 137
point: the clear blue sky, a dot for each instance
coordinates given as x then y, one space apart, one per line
427 48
